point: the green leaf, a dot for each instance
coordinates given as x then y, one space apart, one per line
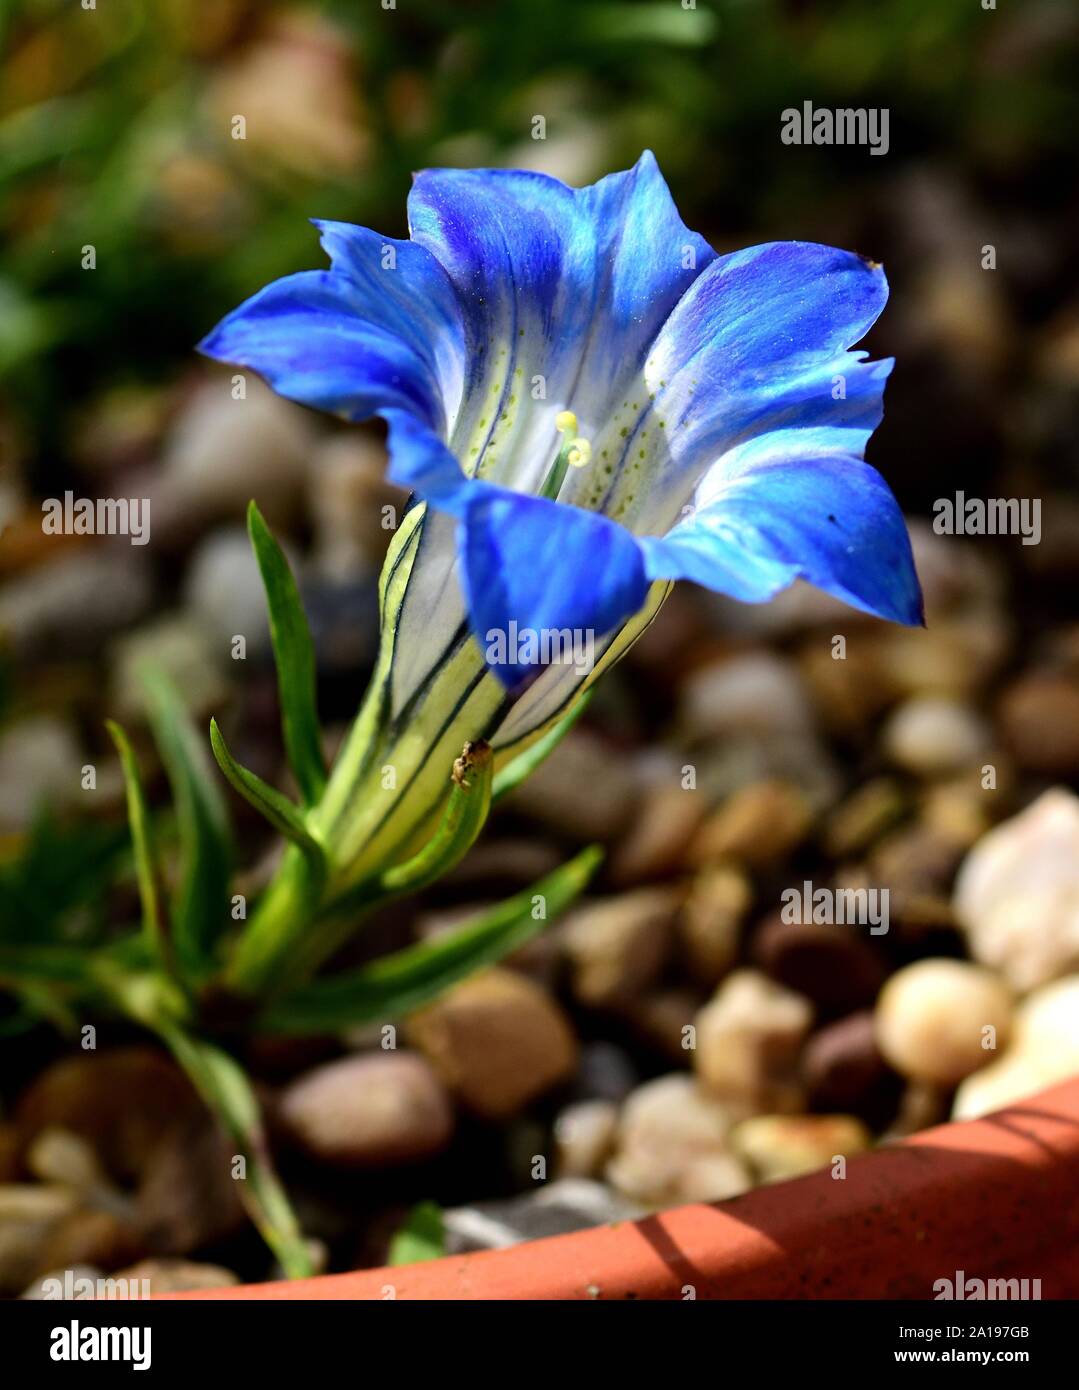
466 811
407 979
200 908
52 889
277 809
294 655
464 817
154 920
515 772
224 1087
44 965
421 1238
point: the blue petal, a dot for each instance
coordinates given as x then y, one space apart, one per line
566 285
531 566
379 330
758 342
757 325
421 462
830 520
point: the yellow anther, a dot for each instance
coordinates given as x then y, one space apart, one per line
565 422
580 453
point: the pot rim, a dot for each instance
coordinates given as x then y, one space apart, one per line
994 1197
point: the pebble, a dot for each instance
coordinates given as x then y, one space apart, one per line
177 1276
710 924
372 1109
40 762
37 1292
180 645
931 1018
188 1198
748 1038
584 1136
90 1237
917 865
954 574
1039 719
759 825
223 591
844 1072
1017 893
27 1213
122 1102
570 1204
58 1155
863 817
834 966
956 657
1044 1051
346 496
959 811
673 1145
605 1072
664 1019
497 1040
758 693
933 736
342 615
11 1166
848 694
617 946
222 452
585 790
667 817
74 604
777 1147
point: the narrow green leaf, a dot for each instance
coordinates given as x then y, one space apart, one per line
154 920
227 1092
466 811
515 772
463 819
53 887
44 965
407 979
277 809
294 655
200 909
422 1237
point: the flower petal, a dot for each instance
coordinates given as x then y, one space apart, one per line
562 292
382 329
831 520
757 342
537 572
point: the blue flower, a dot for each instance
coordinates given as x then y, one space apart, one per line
598 400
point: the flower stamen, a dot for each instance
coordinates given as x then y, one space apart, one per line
574 453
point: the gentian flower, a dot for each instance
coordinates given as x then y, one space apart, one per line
591 403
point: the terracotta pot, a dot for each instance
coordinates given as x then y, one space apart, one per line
996 1198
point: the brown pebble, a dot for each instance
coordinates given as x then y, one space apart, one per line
1039 717
844 1071
835 966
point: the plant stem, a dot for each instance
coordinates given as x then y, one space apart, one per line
154 1002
